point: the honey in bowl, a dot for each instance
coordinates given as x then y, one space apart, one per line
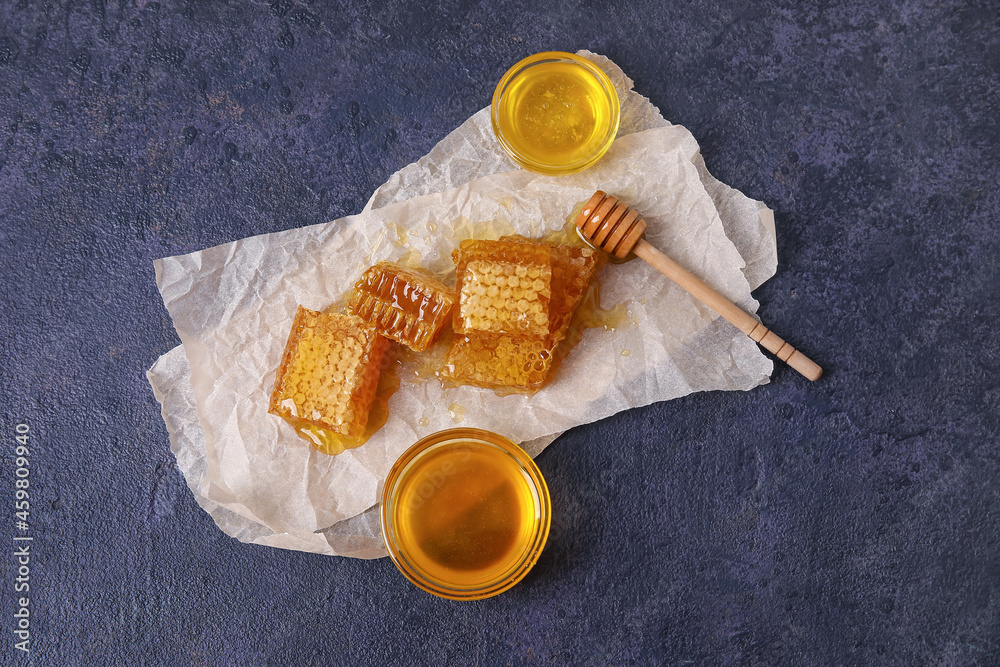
465 514
555 113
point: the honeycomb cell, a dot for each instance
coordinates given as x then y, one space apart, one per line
503 287
489 350
402 304
499 360
328 373
572 271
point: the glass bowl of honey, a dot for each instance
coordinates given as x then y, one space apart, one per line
555 113
465 514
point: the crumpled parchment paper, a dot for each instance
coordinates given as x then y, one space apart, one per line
232 306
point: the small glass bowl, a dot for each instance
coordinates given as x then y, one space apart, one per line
465 514
555 113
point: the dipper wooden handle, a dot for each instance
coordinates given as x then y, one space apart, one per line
617 229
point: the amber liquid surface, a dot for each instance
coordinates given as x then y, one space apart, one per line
464 513
555 113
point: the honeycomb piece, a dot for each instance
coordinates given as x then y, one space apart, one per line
499 360
503 287
572 270
328 373
402 304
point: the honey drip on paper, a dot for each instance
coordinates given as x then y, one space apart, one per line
457 413
328 442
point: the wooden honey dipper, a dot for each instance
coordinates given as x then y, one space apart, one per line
609 224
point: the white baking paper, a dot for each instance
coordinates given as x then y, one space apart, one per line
233 304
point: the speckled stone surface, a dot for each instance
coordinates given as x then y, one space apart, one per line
852 521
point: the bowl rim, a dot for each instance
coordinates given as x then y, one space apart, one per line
536 543
556 169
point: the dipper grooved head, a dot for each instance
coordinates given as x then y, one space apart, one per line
610 224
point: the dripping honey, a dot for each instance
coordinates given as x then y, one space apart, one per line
466 515
329 442
329 372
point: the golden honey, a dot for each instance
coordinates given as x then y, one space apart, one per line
402 304
503 287
499 280
330 442
555 113
328 375
465 513
500 360
525 303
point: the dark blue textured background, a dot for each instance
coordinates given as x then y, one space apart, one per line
855 520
